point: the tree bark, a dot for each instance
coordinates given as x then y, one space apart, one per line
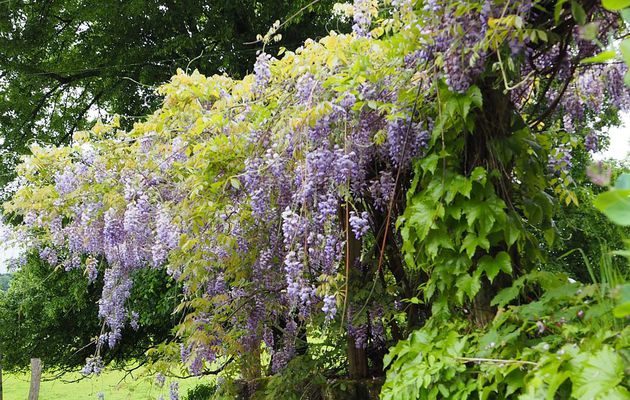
494 123
357 360
357 357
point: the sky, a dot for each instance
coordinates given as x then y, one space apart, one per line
618 149
619 141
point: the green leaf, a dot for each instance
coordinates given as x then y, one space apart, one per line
487 265
505 296
492 266
422 216
615 204
429 163
556 381
458 184
622 310
598 374
600 58
471 242
615 5
578 12
505 262
475 96
550 235
236 184
478 175
511 232
437 239
469 285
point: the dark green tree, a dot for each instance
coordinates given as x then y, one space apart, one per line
65 61
5 279
53 315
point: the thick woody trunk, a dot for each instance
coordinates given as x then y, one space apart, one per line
357 360
494 124
357 357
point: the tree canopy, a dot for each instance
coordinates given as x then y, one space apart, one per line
51 314
65 63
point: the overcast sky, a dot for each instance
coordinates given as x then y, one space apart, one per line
619 141
619 149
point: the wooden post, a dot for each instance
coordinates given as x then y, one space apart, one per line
36 376
0 376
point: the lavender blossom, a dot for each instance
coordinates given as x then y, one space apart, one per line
360 224
174 391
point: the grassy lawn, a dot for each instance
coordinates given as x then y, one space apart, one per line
140 387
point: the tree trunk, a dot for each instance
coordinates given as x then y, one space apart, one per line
494 124
357 357
357 360
36 377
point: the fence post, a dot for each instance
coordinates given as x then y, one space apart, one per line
0 376
36 376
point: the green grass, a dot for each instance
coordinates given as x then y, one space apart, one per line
138 387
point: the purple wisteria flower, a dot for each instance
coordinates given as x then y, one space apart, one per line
359 223
174 391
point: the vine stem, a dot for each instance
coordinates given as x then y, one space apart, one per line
393 196
494 360
391 200
347 223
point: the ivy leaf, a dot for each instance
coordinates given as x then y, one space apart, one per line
422 217
492 266
473 210
475 96
468 285
472 241
478 175
505 296
437 239
458 184
512 233
429 163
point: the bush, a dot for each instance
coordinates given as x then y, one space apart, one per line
203 391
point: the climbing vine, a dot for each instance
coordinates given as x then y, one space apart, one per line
364 186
